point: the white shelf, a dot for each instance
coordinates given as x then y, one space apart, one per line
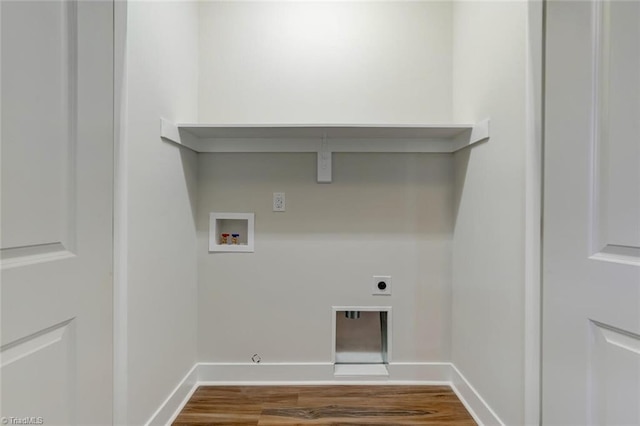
240 223
303 131
325 139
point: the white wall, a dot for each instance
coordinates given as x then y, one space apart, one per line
161 81
488 247
325 62
449 230
384 214
315 62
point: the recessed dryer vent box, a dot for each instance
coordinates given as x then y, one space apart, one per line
230 224
361 341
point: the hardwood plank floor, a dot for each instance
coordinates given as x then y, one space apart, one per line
324 405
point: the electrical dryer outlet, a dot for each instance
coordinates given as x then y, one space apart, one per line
381 285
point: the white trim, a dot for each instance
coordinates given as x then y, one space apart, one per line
427 373
245 373
175 402
432 373
321 373
473 402
120 208
533 212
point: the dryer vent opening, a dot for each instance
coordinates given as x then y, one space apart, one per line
363 341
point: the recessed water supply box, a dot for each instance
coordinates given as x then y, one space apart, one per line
361 344
231 232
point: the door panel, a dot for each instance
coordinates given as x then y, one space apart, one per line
33 367
615 357
591 242
38 114
616 229
57 209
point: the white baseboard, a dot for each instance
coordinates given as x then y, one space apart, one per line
420 373
264 373
473 402
176 400
317 373
248 374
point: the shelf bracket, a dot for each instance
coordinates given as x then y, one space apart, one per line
170 132
324 161
479 133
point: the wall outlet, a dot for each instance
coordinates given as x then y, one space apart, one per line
381 285
278 202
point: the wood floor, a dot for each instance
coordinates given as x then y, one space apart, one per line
324 405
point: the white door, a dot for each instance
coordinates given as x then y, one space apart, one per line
591 241
57 173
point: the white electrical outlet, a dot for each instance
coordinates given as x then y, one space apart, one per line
278 202
381 285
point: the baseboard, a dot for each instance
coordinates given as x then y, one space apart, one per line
248 374
317 373
174 403
473 402
427 373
